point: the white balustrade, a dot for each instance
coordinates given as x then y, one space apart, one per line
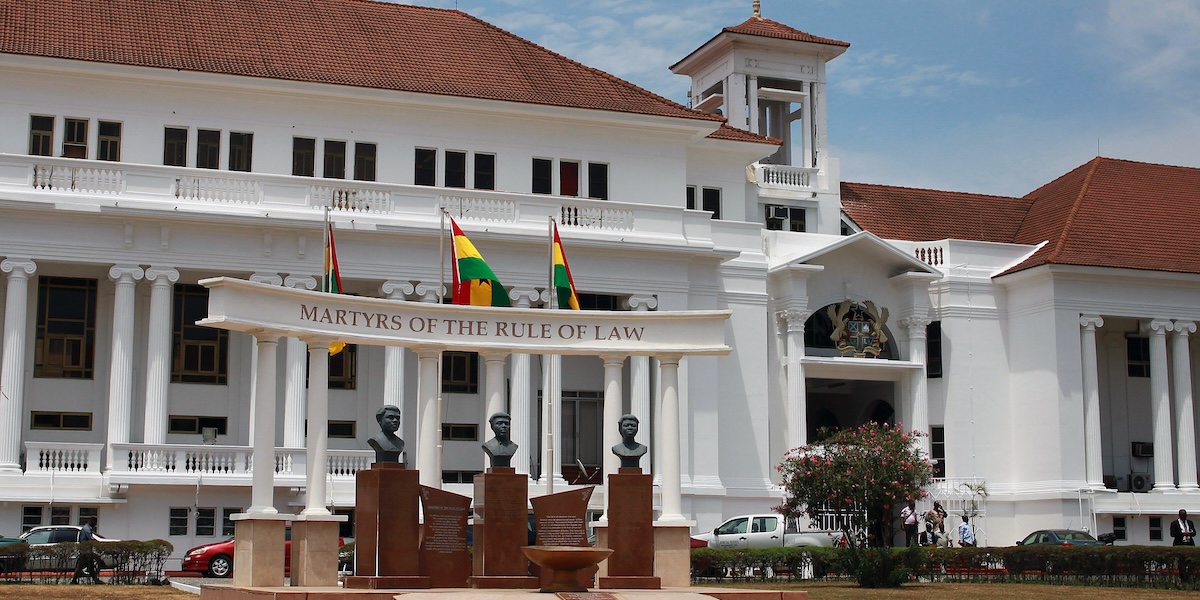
784 176
59 457
60 178
596 217
345 463
189 459
350 199
218 189
477 208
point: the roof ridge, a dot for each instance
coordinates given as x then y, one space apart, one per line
1052 256
919 189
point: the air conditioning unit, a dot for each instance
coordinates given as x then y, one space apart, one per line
1140 482
779 212
1142 449
208 435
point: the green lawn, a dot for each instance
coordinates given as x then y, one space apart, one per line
838 590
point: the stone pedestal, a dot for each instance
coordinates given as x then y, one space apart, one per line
258 540
387 547
501 529
673 553
630 532
445 558
315 550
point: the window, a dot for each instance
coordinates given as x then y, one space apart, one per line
109 147
933 350
208 149
227 520
1138 350
456 169
61 515
1156 533
462 432
691 197
304 157
599 302
568 178
41 135
85 513
425 167
66 328
543 176
335 160
785 218
345 528
710 200
177 522
343 368
460 372
175 147
206 522
597 181
241 146
75 133
364 161
734 526
581 428
199 354
937 449
63 421
193 424
485 171
459 476
1119 529
342 429
31 516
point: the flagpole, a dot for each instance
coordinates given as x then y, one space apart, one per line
547 394
441 299
325 254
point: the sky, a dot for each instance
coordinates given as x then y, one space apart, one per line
984 96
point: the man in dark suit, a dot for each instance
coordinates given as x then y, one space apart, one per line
1183 530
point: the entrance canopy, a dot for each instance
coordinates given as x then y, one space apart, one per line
251 307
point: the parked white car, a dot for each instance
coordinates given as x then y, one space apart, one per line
48 535
766 531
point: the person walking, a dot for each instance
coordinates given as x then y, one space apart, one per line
87 563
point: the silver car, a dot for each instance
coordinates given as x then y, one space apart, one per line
49 535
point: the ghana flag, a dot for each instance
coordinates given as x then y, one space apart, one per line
474 282
331 281
564 284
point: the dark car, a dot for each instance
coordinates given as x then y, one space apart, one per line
216 559
1059 537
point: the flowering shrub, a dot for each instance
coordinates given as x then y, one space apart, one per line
857 475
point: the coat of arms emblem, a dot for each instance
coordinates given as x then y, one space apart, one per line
858 328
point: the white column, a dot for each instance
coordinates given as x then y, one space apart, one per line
552 418
429 427
317 449
158 354
493 383
752 103
1160 406
262 480
269 279
1092 448
797 394
639 383
672 494
120 372
918 381
735 100
806 130
522 395
296 355
12 364
610 436
393 356
1181 382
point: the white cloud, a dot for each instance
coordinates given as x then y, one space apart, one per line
1151 44
879 74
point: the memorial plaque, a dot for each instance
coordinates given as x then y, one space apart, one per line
561 520
444 555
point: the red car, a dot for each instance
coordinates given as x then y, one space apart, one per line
216 559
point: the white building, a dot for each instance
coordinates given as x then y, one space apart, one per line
1042 341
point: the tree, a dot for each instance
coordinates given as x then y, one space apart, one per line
858 476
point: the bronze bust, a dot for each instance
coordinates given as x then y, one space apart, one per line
388 447
500 449
629 450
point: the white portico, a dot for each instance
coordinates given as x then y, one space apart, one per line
270 312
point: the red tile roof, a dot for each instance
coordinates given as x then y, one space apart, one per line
918 215
774 29
727 132
358 43
1098 215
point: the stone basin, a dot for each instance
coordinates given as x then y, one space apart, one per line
565 562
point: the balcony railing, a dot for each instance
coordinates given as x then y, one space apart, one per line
77 178
785 176
60 457
220 461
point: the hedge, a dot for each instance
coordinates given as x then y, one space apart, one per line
135 562
1116 566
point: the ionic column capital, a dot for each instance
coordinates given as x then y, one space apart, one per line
300 281
523 298
267 278
18 267
429 292
613 359
397 290
125 273
163 276
1158 326
1183 328
641 303
1091 322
